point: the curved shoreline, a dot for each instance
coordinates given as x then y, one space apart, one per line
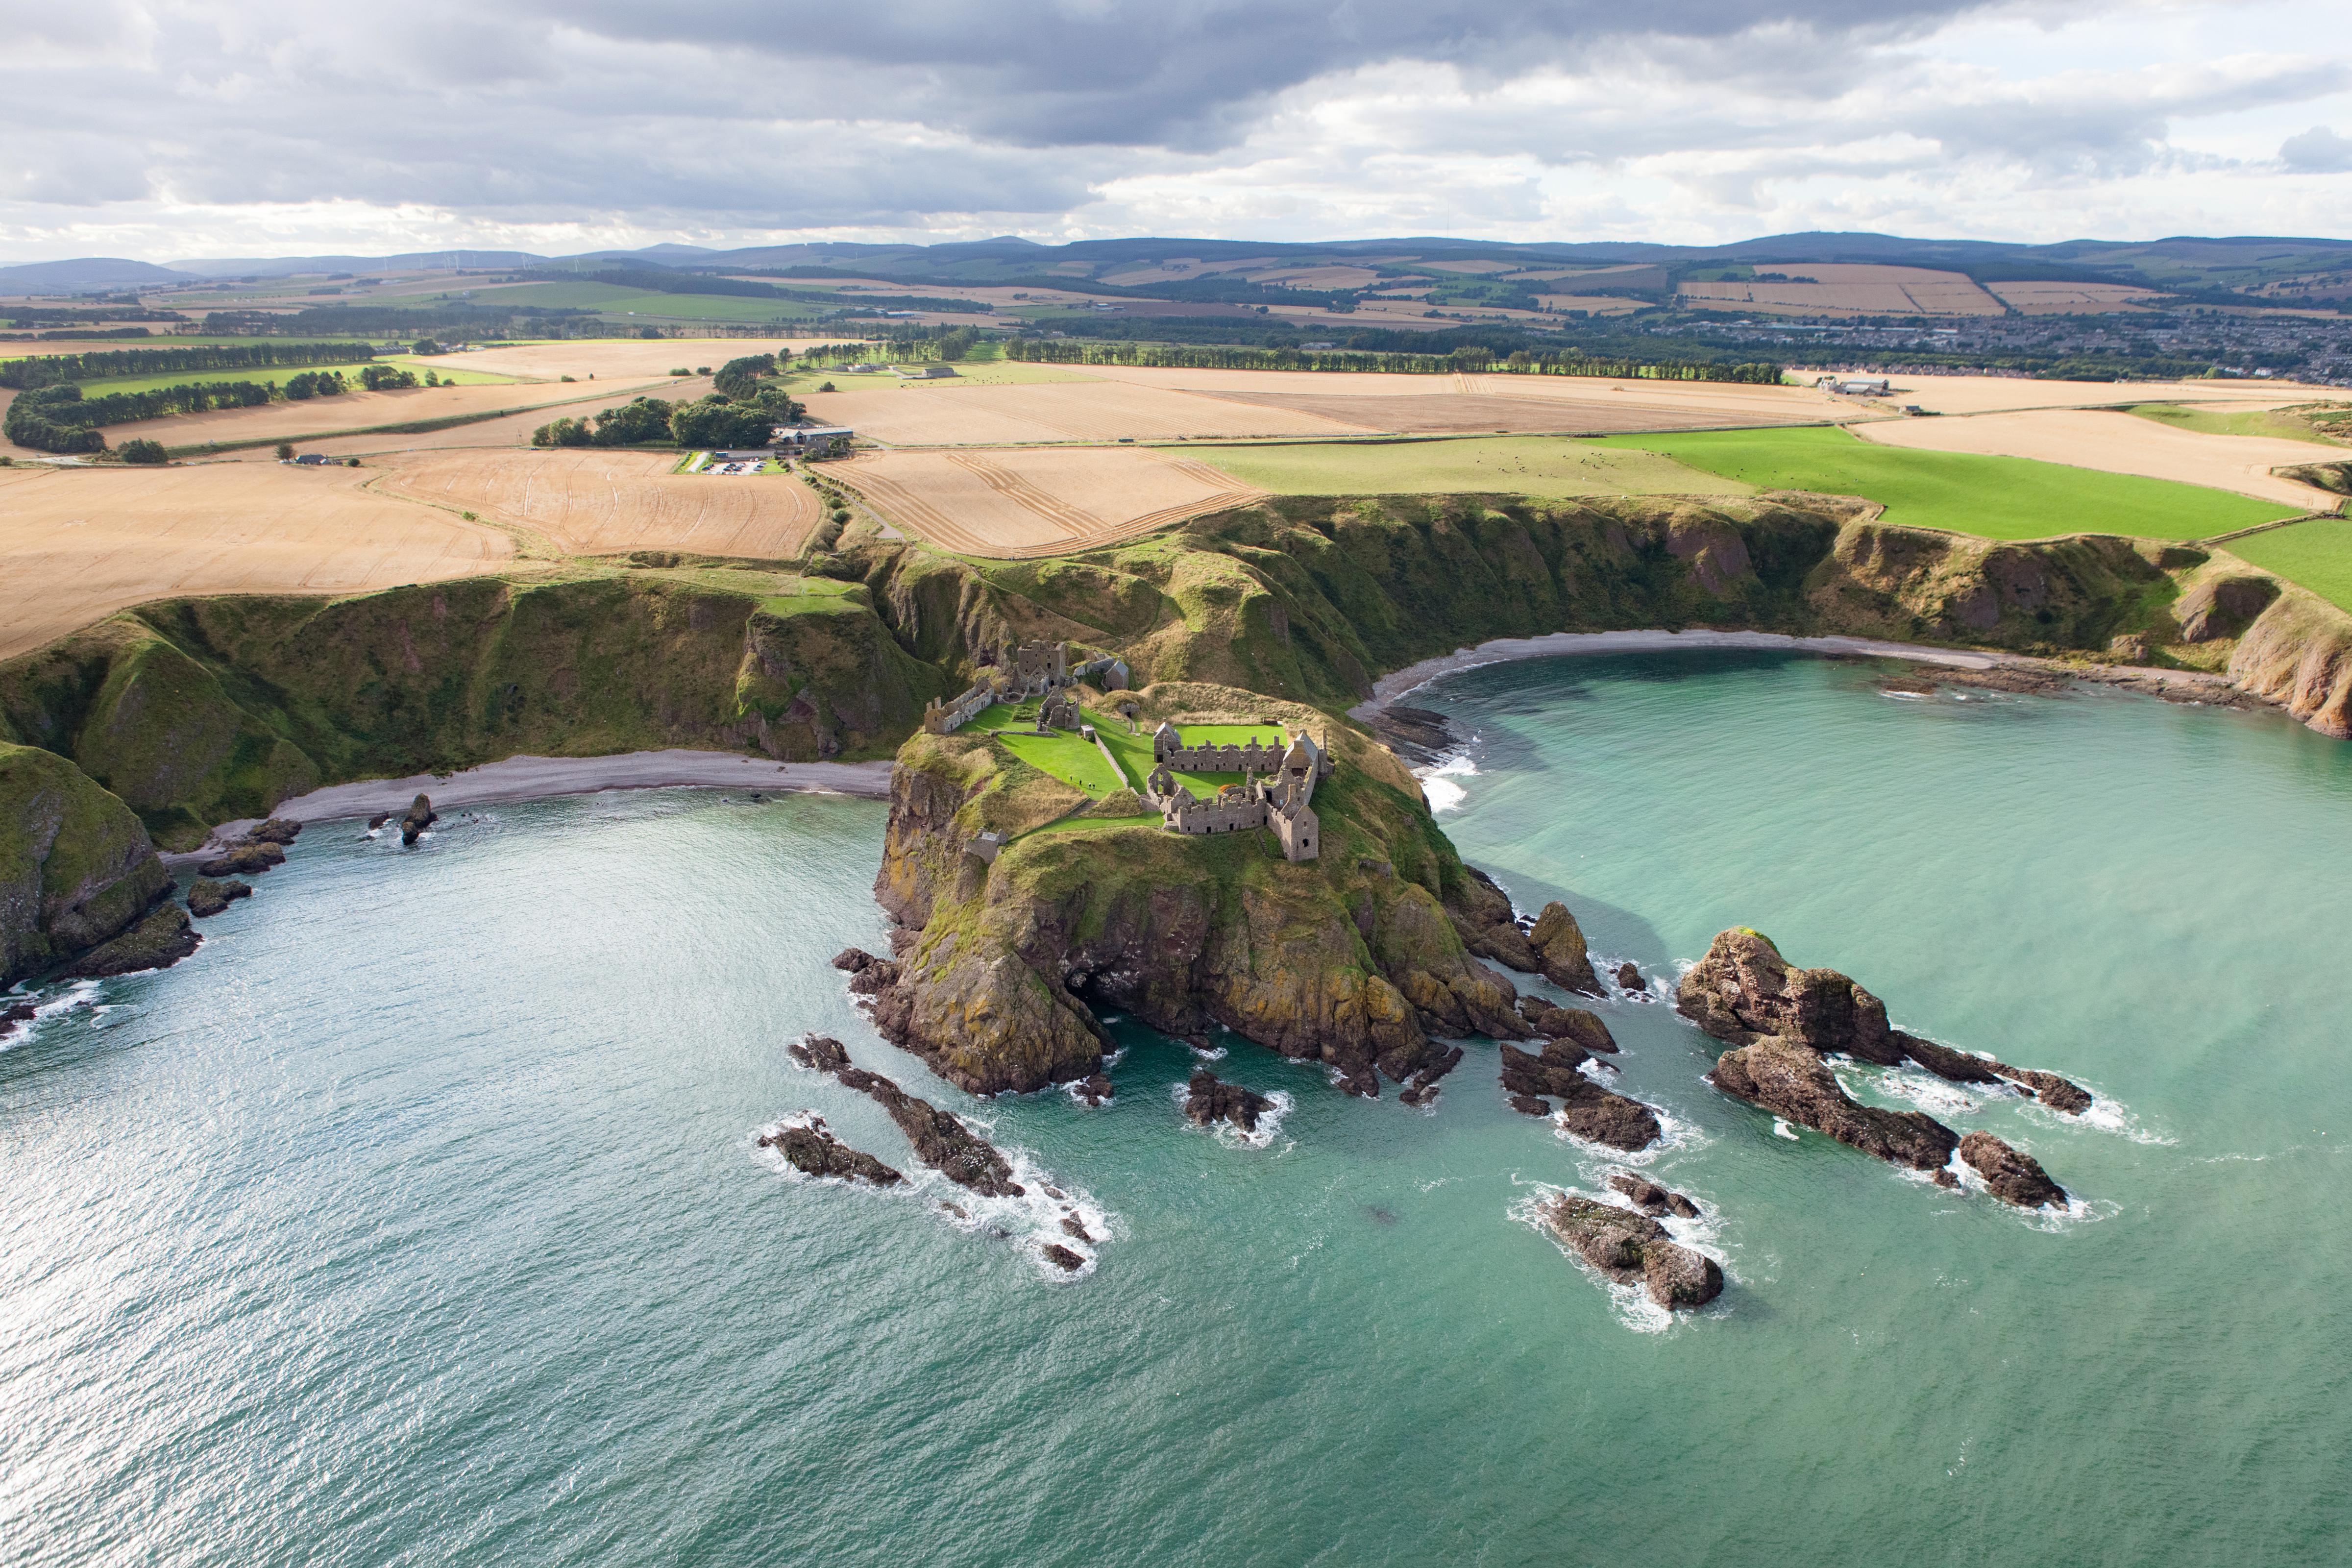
2195 684
524 778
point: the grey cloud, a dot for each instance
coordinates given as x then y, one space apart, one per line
2318 150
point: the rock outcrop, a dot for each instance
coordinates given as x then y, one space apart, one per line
1743 991
2010 1174
1790 1080
276 830
158 942
1652 1198
419 816
1574 1024
940 1140
813 1150
1629 1246
1587 1110
1559 944
207 897
246 858
1207 1100
76 869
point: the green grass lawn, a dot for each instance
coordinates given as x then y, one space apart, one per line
2318 555
282 373
1134 751
1546 466
1074 762
2278 423
1995 498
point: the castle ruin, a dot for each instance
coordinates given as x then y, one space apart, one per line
1279 801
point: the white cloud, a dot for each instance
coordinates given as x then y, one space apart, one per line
167 128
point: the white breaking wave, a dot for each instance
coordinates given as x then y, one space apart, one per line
1633 1304
1437 782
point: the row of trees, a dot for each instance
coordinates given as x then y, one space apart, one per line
56 370
60 419
713 421
1469 358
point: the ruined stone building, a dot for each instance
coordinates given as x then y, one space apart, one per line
1278 801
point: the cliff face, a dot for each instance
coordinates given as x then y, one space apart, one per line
2298 654
1353 960
194 711
76 867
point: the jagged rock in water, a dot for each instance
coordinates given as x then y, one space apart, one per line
1743 990
1587 1110
1489 927
1628 1246
158 942
244 858
378 820
1559 944
816 1151
1062 1258
850 960
1790 1080
420 816
1630 978
276 830
1567 1023
1652 1198
1095 1090
2010 1174
1206 1099
819 1051
1423 1087
877 976
16 1012
207 897
1075 1228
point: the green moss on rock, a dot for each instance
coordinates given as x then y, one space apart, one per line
76 867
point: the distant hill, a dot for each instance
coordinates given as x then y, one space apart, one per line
411 261
88 274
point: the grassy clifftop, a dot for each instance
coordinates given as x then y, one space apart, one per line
75 868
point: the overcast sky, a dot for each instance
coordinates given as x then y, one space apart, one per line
206 128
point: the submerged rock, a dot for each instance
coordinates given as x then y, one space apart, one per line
940 1140
158 942
1743 990
1790 1080
1207 1100
818 1051
2010 1174
814 1149
378 820
1628 1246
1061 1257
1075 1228
16 1012
207 897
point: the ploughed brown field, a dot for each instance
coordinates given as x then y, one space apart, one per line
81 543
1039 501
584 501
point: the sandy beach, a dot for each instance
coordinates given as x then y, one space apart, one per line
536 778
2175 683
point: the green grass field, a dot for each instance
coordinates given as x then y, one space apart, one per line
2317 554
1074 762
2279 423
281 375
1546 466
1994 497
1134 751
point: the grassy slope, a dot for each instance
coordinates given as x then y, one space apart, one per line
2318 555
1994 497
2276 423
1492 465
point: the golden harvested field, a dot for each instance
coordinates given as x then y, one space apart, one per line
1037 501
2071 299
359 410
589 503
1990 393
1591 304
1855 288
83 543
623 359
1105 410
1463 414
2118 442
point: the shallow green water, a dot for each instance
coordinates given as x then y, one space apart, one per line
416 1220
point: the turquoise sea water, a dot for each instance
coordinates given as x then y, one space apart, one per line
417 1218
